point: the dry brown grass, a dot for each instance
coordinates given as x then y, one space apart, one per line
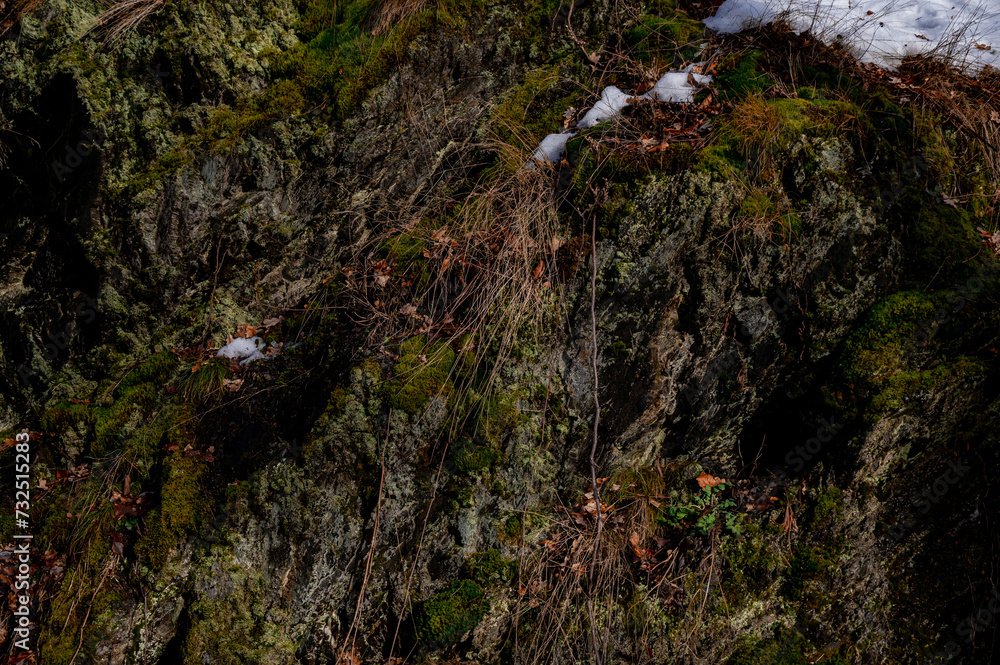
122 17
755 125
483 277
568 594
390 12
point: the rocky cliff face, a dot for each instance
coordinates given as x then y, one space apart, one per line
795 352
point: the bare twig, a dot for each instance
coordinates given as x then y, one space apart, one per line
597 421
352 631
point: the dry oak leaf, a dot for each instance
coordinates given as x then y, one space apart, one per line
245 331
706 480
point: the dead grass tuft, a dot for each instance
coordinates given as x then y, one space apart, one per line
122 17
755 125
565 592
477 272
391 12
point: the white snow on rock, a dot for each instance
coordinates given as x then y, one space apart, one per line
966 32
610 104
243 349
551 149
672 87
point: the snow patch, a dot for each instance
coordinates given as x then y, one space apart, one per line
246 348
610 104
674 87
551 149
966 32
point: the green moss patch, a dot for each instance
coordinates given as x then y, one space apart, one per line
807 565
741 76
238 628
470 458
535 108
904 386
450 613
829 506
341 58
752 564
947 240
787 647
155 369
874 351
490 569
182 507
422 373
65 416
655 34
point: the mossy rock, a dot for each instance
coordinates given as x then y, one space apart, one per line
343 55
947 240
807 565
743 76
787 647
59 638
114 424
424 371
496 416
182 507
450 613
752 564
65 415
470 458
904 386
874 351
535 108
655 34
238 628
490 569
155 369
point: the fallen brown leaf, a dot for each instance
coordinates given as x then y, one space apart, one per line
706 480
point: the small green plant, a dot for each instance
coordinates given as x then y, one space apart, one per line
743 76
206 380
704 511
